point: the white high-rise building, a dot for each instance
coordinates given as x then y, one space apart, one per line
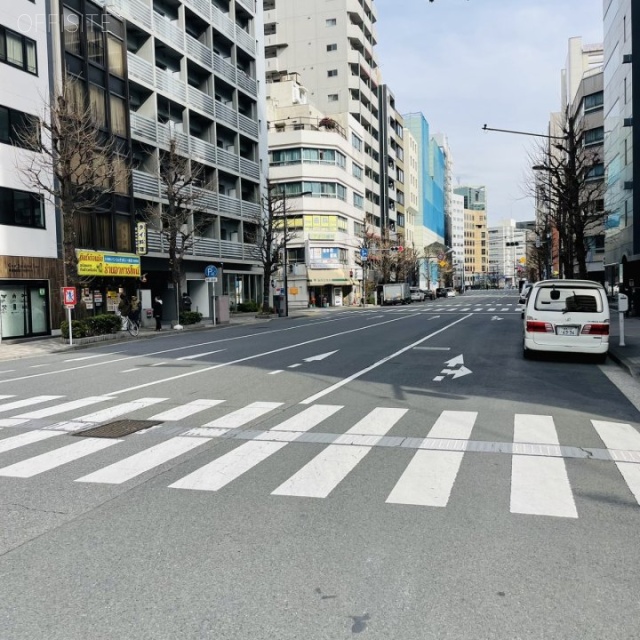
507 254
331 45
30 277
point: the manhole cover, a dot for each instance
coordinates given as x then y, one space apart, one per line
118 428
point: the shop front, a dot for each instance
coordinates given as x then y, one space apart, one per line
330 287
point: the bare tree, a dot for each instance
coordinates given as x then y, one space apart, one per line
75 166
179 217
571 193
267 232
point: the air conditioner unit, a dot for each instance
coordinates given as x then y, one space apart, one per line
627 122
627 58
628 185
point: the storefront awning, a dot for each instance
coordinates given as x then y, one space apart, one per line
319 277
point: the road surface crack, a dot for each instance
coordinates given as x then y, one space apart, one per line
26 508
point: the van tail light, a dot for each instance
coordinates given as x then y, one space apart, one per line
596 329
534 326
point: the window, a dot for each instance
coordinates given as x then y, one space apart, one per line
594 136
357 170
594 101
115 53
358 201
21 208
331 22
120 175
596 171
332 47
18 50
332 97
356 142
123 234
332 73
95 42
118 116
17 127
98 105
71 32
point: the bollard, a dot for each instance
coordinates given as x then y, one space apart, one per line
623 307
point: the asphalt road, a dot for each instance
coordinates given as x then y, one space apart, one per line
384 473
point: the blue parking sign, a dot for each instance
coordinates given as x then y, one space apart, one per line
364 253
211 271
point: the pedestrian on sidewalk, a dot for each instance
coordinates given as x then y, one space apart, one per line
157 312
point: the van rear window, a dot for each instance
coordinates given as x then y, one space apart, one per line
579 300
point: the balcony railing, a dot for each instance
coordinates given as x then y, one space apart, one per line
245 40
206 248
248 4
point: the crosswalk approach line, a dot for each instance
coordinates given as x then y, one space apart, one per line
15 442
232 465
319 477
27 402
539 484
622 437
429 478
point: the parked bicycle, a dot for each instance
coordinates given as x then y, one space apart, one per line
131 326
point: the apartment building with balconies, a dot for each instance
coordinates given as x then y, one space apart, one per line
30 273
317 162
332 47
621 76
476 248
194 71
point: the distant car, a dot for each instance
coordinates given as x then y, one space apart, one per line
524 292
441 292
450 292
416 295
429 293
570 316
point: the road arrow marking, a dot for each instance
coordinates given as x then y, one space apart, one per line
497 318
457 373
433 317
322 356
454 361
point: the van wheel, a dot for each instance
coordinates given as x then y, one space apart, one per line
526 353
601 358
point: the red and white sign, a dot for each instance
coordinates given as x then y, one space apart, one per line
69 296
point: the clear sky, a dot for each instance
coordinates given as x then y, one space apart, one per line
466 63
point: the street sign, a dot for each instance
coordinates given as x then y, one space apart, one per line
364 253
211 271
212 280
69 296
141 238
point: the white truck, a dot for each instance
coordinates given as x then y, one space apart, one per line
396 293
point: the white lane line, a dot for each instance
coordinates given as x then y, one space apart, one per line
454 425
255 356
7 397
534 429
191 346
23 439
360 373
157 364
185 410
27 402
62 408
12 422
222 471
428 479
617 435
130 370
540 486
321 476
620 436
53 459
273 373
432 348
143 461
199 355
232 465
240 417
99 355
294 366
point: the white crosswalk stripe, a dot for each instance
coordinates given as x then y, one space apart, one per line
232 465
56 458
540 484
430 476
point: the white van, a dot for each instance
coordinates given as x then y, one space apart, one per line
570 316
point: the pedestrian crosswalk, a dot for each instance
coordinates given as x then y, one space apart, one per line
427 467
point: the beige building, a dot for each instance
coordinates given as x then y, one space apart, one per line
476 248
312 153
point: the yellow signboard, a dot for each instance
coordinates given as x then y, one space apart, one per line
522 260
108 265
